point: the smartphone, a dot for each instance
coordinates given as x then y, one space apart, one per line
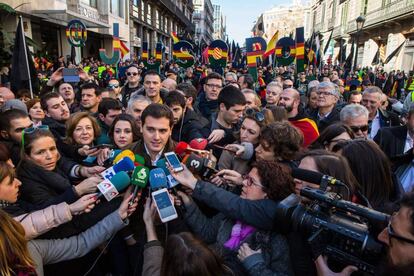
101 146
164 205
70 75
173 161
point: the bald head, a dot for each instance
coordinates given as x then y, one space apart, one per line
290 100
5 95
169 84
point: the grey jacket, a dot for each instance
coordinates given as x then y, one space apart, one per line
52 251
273 259
153 254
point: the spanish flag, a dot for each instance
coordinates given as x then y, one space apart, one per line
271 46
119 44
175 37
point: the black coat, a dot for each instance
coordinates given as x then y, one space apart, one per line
189 127
332 118
392 140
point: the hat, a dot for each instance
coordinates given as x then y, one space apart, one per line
14 104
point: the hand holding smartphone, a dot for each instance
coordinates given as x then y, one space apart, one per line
173 161
165 206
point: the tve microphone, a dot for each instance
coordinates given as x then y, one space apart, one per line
125 164
157 179
161 163
316 178
139 179
111 188
124 153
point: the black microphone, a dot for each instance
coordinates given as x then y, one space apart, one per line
316 178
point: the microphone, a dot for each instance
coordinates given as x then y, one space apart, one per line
139 160
125 164
316 178
161 163
182 148
198 143
111 188
248 151
124 153
139 179
157 179
112 155
202 166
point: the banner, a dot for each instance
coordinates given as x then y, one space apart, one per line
155 63
217 54
255 48
181 54
116 51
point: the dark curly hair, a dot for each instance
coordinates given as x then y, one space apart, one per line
285 139
276 178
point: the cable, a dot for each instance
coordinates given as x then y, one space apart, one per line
99 256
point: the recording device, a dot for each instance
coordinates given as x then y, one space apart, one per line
316 177
70 75
344 231
201 166
157 179
125 164
111 188
139 179
171 181
165 206
173 161
124 153
139 160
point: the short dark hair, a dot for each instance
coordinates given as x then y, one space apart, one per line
157 111
248 79
408 201
188 89
152 73
7 116
133 66
91 85
329 133
231 96
213 75
109 103
45 97
175 98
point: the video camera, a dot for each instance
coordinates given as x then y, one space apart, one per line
344 231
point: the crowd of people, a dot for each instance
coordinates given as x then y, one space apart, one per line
53 147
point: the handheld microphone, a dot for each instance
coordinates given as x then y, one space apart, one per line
125 164
182 148
316 178
202 166
161 163
124 153
112 155
139 160
198 143
111 188
139 179
157 179
248 151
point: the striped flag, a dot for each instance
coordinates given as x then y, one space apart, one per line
382 53
396 52
270 49
124 49
175 37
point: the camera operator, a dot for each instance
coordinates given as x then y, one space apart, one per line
398 238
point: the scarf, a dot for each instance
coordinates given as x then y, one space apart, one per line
239 232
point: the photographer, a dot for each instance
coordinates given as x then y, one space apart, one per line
398 237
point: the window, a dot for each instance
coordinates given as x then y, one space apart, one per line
157 19
135 3
116 8
91 3
149 14
142 10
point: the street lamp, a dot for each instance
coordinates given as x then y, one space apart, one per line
360 24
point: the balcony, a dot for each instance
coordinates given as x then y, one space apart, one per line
390 11
330 23
176 11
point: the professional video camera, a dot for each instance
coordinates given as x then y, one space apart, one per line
344 231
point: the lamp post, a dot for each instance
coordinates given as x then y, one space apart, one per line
360 24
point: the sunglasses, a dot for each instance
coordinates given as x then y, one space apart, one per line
113 85
31 130
355 129
258 115
131 74
250 181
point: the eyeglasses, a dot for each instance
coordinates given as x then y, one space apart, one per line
113 85
210 85
250 181
31 130
131 74
356 129
323 93
258 115
392 234
287 86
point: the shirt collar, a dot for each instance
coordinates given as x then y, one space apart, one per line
157 157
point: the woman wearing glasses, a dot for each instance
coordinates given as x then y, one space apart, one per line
245 249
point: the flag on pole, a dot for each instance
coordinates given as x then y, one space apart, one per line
382 53
175 37
23 72
348 61
271 45
327 43
394 53
124 49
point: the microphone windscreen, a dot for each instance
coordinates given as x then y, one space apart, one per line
161 163
157 179
140 176
120 180
114 154
307 175
198 143
125 164
195 163
248 151
124 153
181 148
139 160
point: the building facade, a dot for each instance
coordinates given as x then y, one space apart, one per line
153 21
45 23
219 27
203 19
284 19
388 23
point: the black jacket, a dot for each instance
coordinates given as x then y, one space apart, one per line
332 118
206 108
126 93
392 140
189 127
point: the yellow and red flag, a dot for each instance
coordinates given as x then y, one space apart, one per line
175 37
271 45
